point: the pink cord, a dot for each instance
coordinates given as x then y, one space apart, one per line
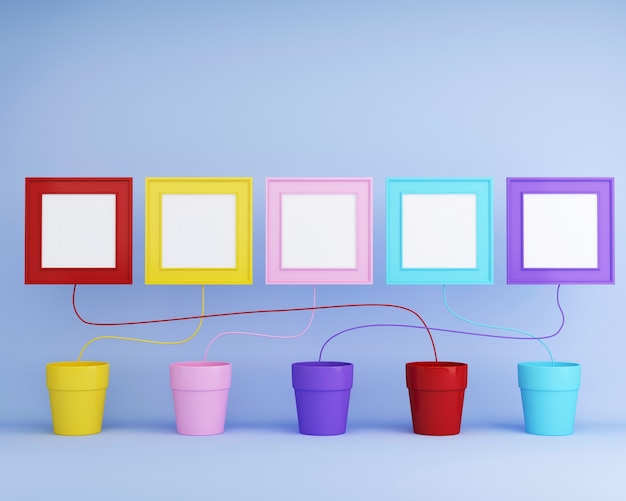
277 310
257 334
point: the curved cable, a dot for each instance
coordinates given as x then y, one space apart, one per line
149 341
257 334
489 326
455 331
234 313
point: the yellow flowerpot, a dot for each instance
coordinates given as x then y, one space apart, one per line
77 394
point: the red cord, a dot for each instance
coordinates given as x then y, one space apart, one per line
233 313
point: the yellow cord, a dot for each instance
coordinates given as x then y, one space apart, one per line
121 338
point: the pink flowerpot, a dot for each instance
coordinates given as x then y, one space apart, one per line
200 396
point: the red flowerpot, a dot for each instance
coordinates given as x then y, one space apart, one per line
436 391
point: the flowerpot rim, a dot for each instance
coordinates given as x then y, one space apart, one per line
549 365
321 364
200 376
322 376
544 376
433 364
77 375
200 364
76 364
436 376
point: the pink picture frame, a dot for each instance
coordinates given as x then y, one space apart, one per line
278 231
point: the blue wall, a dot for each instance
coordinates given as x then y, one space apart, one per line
405 89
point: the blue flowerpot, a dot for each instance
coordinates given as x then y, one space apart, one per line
549 394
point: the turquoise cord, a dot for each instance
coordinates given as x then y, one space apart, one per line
445 301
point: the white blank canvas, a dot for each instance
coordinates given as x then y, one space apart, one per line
439 231
199 231
78 231
560 230
318 231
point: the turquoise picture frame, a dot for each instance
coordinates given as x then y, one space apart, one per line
483 270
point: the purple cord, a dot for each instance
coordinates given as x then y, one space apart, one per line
496 336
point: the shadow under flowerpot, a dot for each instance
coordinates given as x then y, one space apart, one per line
549 395
436 393
322 391
77 395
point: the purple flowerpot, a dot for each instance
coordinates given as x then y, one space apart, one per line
322 396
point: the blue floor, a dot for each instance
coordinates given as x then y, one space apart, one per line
499 462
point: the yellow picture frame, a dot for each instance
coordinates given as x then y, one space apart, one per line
156 187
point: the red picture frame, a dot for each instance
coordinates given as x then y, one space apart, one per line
122 188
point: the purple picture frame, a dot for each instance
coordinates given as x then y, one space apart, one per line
603 188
